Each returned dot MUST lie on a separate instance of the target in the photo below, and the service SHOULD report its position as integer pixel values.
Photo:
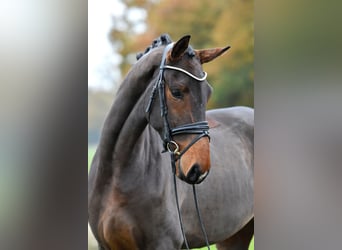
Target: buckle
(173, 147)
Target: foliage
(211, 24)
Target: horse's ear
(207, 55)
(180, 47)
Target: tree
(211, 24)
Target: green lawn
(251, 246)
(91, 152)
(212, 247)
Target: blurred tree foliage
(211, 24)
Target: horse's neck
(127, 97)
(130, 136)
(126, 119)
(137, 157)
(138, 161)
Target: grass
(251, 245)
(91, 152)
(212, 247)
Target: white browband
(186, 72)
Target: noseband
(201, 129)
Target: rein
(201, 129)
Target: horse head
(177, 104)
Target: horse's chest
(137, 226)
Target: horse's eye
(177, 93)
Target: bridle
(201, 129)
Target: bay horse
(161, 106)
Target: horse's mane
(162, 40)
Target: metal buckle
(173, 147)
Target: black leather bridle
(201, 129)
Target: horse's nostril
(193, 174)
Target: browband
(188, 73)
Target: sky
(102, 60)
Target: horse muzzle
(193, 176)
